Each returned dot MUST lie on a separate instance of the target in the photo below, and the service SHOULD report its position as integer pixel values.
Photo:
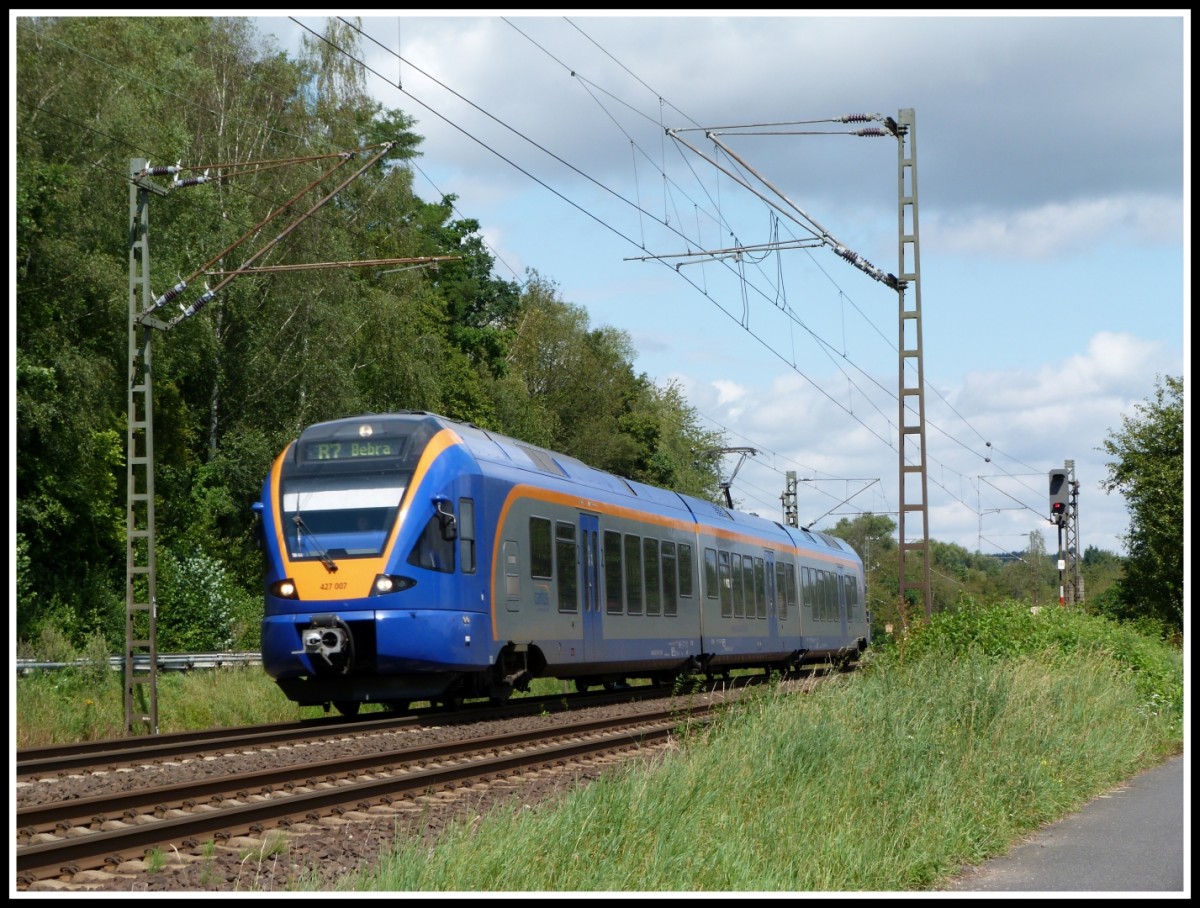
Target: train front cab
(374, 591)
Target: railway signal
(1060, 496)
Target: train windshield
(340, 516)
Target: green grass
(88, 704)
(951, 743)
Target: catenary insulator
(199, 304)
(163, 170)
(170, 294)
(190, 181)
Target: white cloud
(1059, 228)
(982, 496)
(729, 393)
(1114, 366)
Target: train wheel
(582, 685)
(499, 696)
(347, 707)
(398, 706)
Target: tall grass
(941, 752)
(88, 704)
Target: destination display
(350, 450)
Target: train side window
(685, 571)
(712, 582)
(633, 575)
(670, 582)
(613, 574)
(780, 587)
(828, 595)
(541, 561)
(432, 550)
(790, 578)
(807, 589)
(748, 584)
(851, 590)
(760, 587)
(466, 534)
(653, 586)
(566, 554)
(726, 584)
(738, 580)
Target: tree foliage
(272, 352)
(1148, 469)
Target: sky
(687, 179)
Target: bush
(198, 604)
(1010, 630)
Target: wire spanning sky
(686, 179)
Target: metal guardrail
(173, 662)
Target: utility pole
(1073, 553)
(141, 599)
(914, 487)
(1033, 584)
(913, 469)
(141, 594)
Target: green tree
(1101, 572)
(482, 309)
(1147, 468)
(580, 377)
(272, 352)
(231, 385)
(873, 536)
(669, 432)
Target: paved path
(1134, 838)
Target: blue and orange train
(413, 557)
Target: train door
(589, 584)
(841, 590)
(773, 623)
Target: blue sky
(1053, 208)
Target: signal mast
(141, 596)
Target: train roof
(495, 448)
(492, 448)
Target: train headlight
(390, 583)
(284, 589)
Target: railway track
(110, 754)
(193, 810)
(71, 843)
